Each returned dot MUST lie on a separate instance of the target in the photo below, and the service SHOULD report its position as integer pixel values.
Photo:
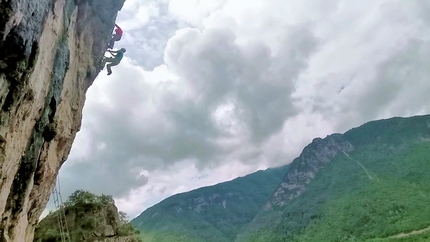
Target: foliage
(80, 197)
(394, 202)
(343, 203)
(380, 191)
(214, 213)
(169, 237)
(123, 218)
(86, 215)
(126, 228)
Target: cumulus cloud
(144, 125)
(147, 27)
(163, 183)
(375, 70)
(211, 91)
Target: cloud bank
(208, 92)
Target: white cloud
(163, 183)
(193, 11)
(216, 89)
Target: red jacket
(118, 30)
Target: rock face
(49, 50)
(304, 168)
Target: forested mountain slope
(369, 184)
(215, 213)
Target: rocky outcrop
(86, 222)
(49, 50)
(304, 168)
(107, 219)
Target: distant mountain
(370, 184)
(211, 214)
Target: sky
(215, 89)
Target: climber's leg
(113, 63)
(106, 59)
(114, 38)
(111, 43)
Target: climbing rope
(61, 215)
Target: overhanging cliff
(49, 50)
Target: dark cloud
(259, 82)
(267, 99)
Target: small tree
(123, 218)
(126, 228)
(107, 199)
(80, 197)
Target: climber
(113, 61)
(115, 37)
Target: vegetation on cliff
(88, 217)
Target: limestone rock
(303, 169)
(86, 222)
(49, 50)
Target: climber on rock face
(113, 61)
(115, 37)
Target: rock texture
(87, 223)
(304, 168)
(48, 53)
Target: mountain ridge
(218, 198)
(372, 159)
(380, 141)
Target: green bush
(80, 197)
(89, 223)
(84, 207)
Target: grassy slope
(343, 204)
(390, 204)
(175, 219)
